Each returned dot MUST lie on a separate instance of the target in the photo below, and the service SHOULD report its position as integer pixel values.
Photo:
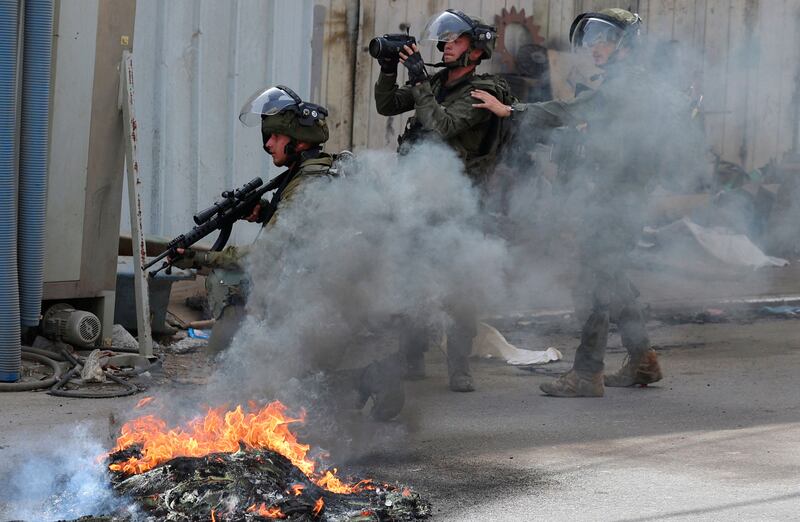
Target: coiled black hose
(59, 391)
(37, 356)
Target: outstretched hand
(490, 103)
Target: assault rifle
(234, 205)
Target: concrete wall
(86, 152)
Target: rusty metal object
(511, 17)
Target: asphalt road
(717, 439)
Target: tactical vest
(478, 162)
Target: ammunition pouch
(226, 288)
(567, 153)
(413, 133)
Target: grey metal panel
(196, 62)
(69, 158)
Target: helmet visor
(592, 31)
(264, 102)
(446, 27)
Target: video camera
(389, 45)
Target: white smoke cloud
(46, 481)
(397, 236)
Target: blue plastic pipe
(34, 140)
(10, 348)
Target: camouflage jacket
(447, 112)
(304, 173)
(638, 130)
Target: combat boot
(415, 366)
(460, 376)
(640, 369)
(461, 383)
(458, 371)
(459, 347)
(380, 382)
(573, 384)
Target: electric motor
(62, 322)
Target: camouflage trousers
(416, 335)
(227, 294)
(604, 294)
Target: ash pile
(253, 484)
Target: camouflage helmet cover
(622, 16)
(278, 110)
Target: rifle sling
(284, 179)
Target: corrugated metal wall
(195, 63)
(198, 60)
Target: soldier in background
(636, 129)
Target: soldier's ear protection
(479, 33)
(289, 149)
(308, 113)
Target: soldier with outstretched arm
(634, 129)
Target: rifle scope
(229, 200)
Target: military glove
(193, 259)
(416, 69)
(389, 64)
(265, 211)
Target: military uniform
(632, 123)
(445, 112)
(227, 285)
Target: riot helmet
(279, 110)
(613, 25)
(448, 25)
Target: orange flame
(268, 512)
(318, 505)
(144, 402)
(213, 517)
(222, 431)
(297, 489)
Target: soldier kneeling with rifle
(293, 132)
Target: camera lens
(375, 47)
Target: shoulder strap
(283, 179)
(499, 130)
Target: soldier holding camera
(442, 105)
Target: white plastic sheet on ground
(491, 343)
(721, 244)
